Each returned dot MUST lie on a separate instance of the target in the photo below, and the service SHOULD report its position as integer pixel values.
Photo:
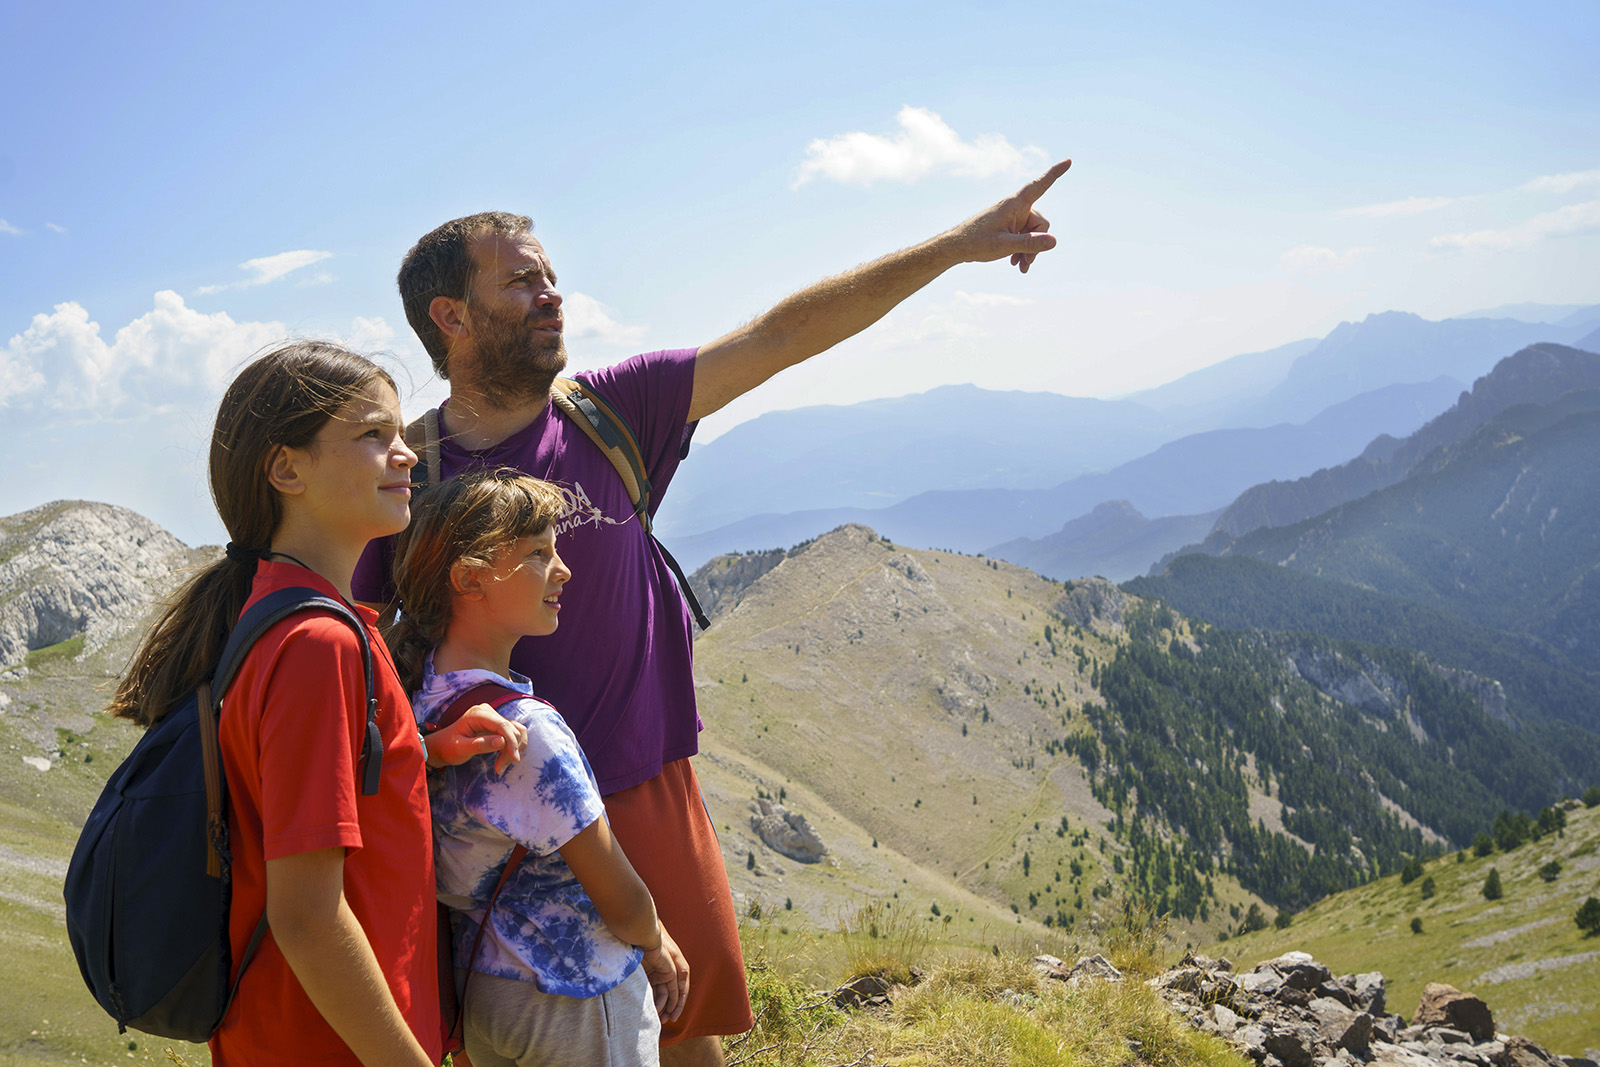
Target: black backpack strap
(600, 421)
(279, 605)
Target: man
(481, 294)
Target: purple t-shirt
(619, 666)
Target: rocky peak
(76, 567)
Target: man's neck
(474, 424)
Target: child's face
(355, 479)
(522, 591)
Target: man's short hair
(441, 264)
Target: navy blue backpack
(149, 884)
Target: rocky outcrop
(786, 832)
(1294, 1012)
(1092, 603)
(720, 582)
(74, 567)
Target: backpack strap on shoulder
(605, 426)
(491, 693)
(262, 616)
(422, 437)
(610, 433)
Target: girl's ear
(285, 470)
(466, 581)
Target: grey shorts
(512, 1024)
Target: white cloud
(1563, 222)
(53, 228)
(268, 269)
(924, 144)
(587, 317)
(6, 227)
(170, 358)
(1311, 259)
(369, 336)
(991, 299)
(1561, 183)
(1411, 205)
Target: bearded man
(481, 294)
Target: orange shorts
(663, 827)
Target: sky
(184, 184)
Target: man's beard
(515, 366)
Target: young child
(573, 966)
(307, 466)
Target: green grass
(51, 655)
(979, 1009)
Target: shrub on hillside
(1588, 917)
(1491, 885)
(1427, 887)
(1411, 871)
(1550, 871)
(1482, 845)
(1416, 926)
(1591, 796)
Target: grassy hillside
(1522, 953)
(47, 1014)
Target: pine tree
(1491, 885)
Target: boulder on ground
(1445, 1005)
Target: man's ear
(466, 581)
(450, 315)
(285, 471)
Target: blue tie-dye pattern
(545, 928)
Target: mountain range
(913, 467)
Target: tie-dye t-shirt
(544, 928)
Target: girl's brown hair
(283, 398)
(468, 519)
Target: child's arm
(328, 951)
(625, 904)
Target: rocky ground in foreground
(1293, 1012)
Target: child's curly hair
(468, 519)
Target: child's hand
(668, 972)
(480, 730)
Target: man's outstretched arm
(820, 316)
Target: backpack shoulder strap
(601, 423)
(491, 693)
(605, 426)
(422, 437)
(279, 605)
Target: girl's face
(355, 478)
(522, 591)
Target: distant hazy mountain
(1546, 313)
(1113, 541)
(879, 452)
(1537, 374)
(1589, 342)
(1395, 346)
(1225, 386)
(1501, 529)
(1189, 476)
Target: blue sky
(182, 184)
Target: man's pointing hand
(1012, 227)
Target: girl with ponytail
(307, 465)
